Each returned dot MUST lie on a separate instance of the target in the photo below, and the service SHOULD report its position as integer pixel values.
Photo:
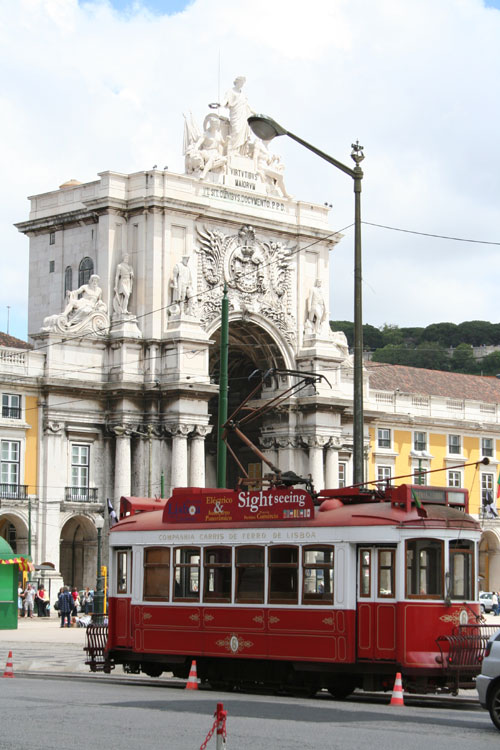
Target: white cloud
(90, 89)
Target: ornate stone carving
(85, 312)
(178, 429)
(258, 274)
(201, 431)
(54, 427)
(124, 280)
(315, 441)
(336, 443)
(227, 148)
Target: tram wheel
(341, 690)
(494, 706)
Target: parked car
(488, 682)
(486, 601)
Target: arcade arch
(78, 552)
(489, 559)
(14, 530)
(252, 346)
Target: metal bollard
(221, 715)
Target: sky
(94, 85)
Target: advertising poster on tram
(195, 505)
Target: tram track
(454, 702)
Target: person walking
(40, 601)
(29, 600)
(66, 604)
(87, 600)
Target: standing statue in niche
(124, 280)
(239, 111)
(315, 309)
(182, 286)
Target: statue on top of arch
(227, 152)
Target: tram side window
(122, 571)
(424, 568)
(283, 575)
(187, 573)
(386, 559)
(217, 576)
(249, 574)
(365, 572)
(461, 569)
(318, 574)
(156, 573)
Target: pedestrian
(87, 601)
(29, 600)
(74, 594)
(40, 601)
(66, 604)
(20, 600)
(494, 603)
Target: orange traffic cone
(192, 683)
(8, 667)
(397, 692)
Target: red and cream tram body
(268, 587)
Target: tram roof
(370, 514)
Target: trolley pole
(222, 417)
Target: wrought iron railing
(13, 491)
(81, 495)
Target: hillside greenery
(439, 346)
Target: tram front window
(250, 574)
(461, 569)
(187, 573)
(283, 575)
(424, 568)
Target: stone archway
(78, 552)
(489, 561)
(251, 347)
(14, 530)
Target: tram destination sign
(196, 505)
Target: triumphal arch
(126, 280)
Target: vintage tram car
(272, 588)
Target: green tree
(432, 356)
(444, 333)
(476, 332)
(395, 354)
(391, 335)
(462, 359)
(490, 365)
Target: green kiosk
(9, 574)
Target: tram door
(376, 602)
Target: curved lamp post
(99, 591)
(266, 129)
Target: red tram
(270, 587)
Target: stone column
(123, 473)
(316, 444)
(197, 456)
(286, 454)
(268, 445)
(179, 434)
(332, 463)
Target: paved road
(125, 717)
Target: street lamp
(266, 128)
(99, 591)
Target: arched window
(85, 270)
(68, 280)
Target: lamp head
(99, 521)
(265, 127)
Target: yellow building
(446, 423)
(19, 445)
